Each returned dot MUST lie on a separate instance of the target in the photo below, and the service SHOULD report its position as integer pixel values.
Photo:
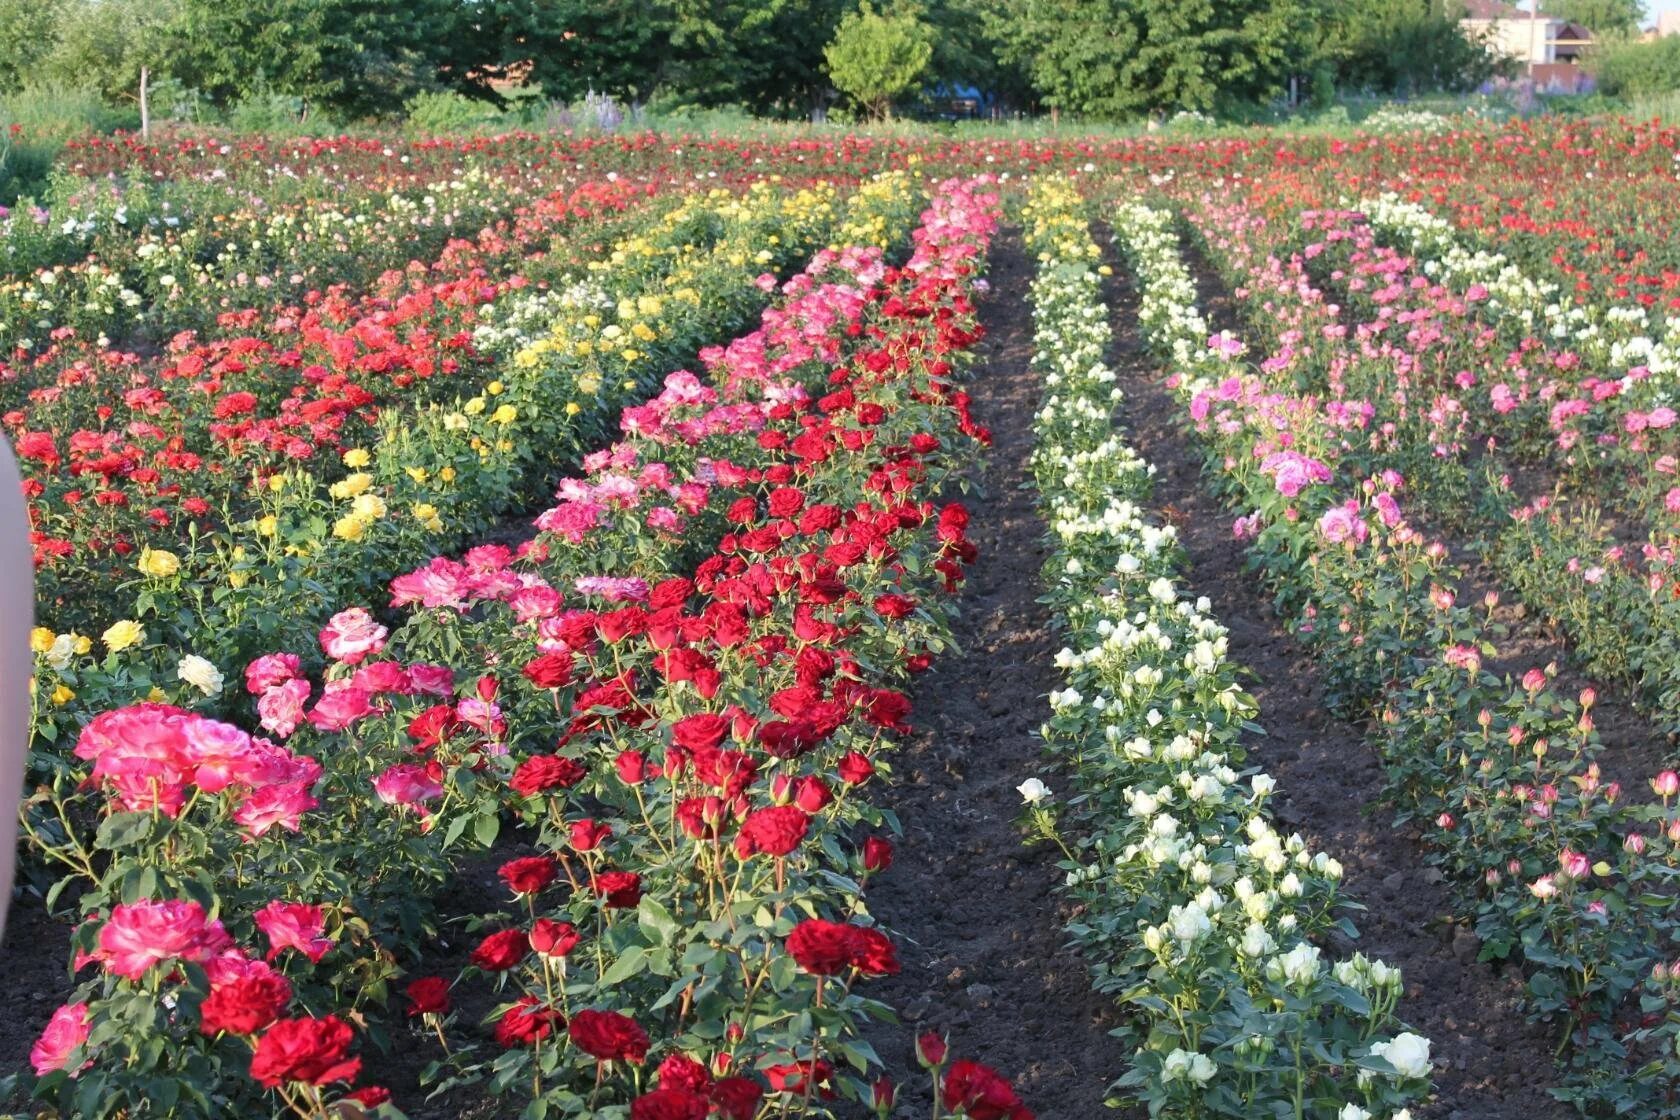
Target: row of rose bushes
(545, 386)
(1552, 866)
(1199, 916)
(1599, 549)
(684, 747)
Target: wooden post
(145, 108)
(17, 662)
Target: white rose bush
(1207, 924)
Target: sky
(1652, 7)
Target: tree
(1401, 46)
(28, 30)
(875, 56)
(1122, 58)
(102, 45)
(1601, 17)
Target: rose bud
(930, 1050)
(554, 939)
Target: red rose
(679, 1071)
(527, 1022)
(587, 835)
(786, 502)
(632, 767)
(308, 1049)
(608, 1036)
(877, 854)
(549, 670)
(429, 995)
(704, 731)
(855, 769)
(371, 1096)
(699, 817)
(894, 606)
(823, 948)
(501, 950)
(874, 954)
(736, 1098)
(529, 874)
(776, 831)
(552, 938)
(930, 1050)
(670, 593)
(670, 1104)
(811, 794)
(982, 1093)
(621, 889)
(791, 1078)
(245, 1004)
(543, 772)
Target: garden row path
(974, 911)
(1490, 1063)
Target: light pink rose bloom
(294, 925)
(351, 635)
(67, 1029)
(141, 934)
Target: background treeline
(1096, 59)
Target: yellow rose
(82, 643)
(494, 388)
(238, 579)
(268, 525)
(474, 406)
(505, 414)
(370, 507)
(447, 474)
(589, 383)
(41, 639)
(349, 528)
(351, 485)
(277, 482)
(158, 563)
(157, 695)
(418, 474)
(573, 408)
(62, 696)
(120, 635)
(357, 457)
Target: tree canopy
(1105, 59)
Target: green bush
(447, 111)
(1638, 69)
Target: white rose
(1033, 791)
(1352, 1112)
(1408, 1053)
(201, 674)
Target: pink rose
(351, 635)
(67, 1029)
(294, 925)
(141, 934)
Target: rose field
(663, 627)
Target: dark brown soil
(36, 956)
(1490, 1064)
(974, 910)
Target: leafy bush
(446, 111)
(1639, 69)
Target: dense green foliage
(1633, 69)
(876, 56)
(1100, 59)
(1601, 17)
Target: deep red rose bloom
(632, 767)
(737, 1098)
(371, 1096)
(501, 950)
(527, 1022)
(776, 831)
(429, 995)
(875, 954)
(811, 794)
(608, 1036)
(877, 854)
(894, 606)
(621, 889)
(552, 938)
(855, 769)
(786, 502)
(823, 948)
(791, 1078)
(705, 730)
(587, 835)
(529, 874)
(245, 1004)
(550, 670)
(930, 1049)
(312, 1050)
(981, 1092)
(670, 1104)
(679, 1071)
(542, 772)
